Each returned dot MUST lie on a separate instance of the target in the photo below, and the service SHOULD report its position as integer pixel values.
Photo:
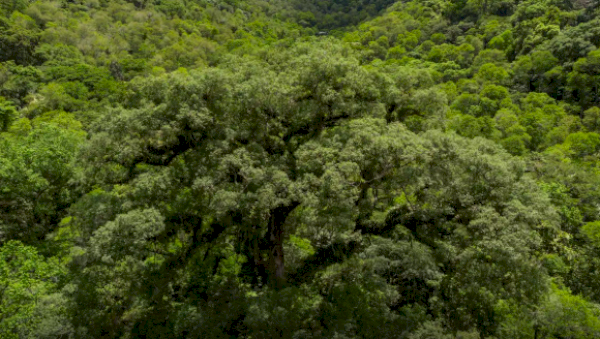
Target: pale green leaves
(25, 278)
(128, 235)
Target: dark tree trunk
(276, 238)
(536, 331)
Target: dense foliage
(300, 169)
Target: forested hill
(300, 169)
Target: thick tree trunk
(276, 238)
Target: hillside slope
(299, 169)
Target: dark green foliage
(299, 169)
(337, 13)
(19, 36)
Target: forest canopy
(300, 169)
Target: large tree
(204, 179)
